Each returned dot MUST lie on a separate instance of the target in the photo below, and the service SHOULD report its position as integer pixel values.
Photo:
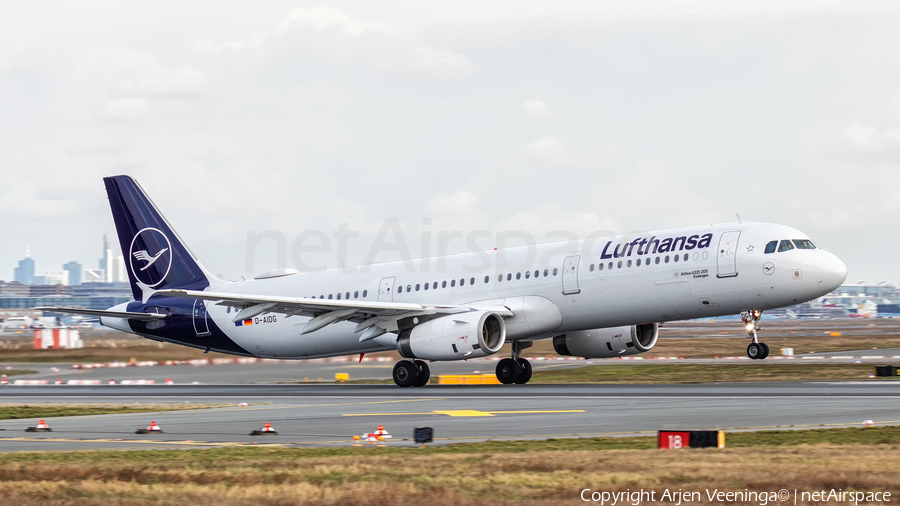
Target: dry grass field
(546, 472)
(11, 411)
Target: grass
(702, 373)
(53, 410)
(14, 372)
(540, 472)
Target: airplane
(595, 298)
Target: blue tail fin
(155, 257)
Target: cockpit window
(785, 245)
(804, 244)
(771, 246)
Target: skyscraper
(106, 261)
(24, 273)
(74, 269)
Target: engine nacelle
(610, 342)
(454, 337)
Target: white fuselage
(728, 274)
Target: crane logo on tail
(143, 255)
(150, 269)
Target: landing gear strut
(516, 369)
(756, 350)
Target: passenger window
(804, 244)
(365, 292)
(462, 281)
(620, 264)
(629, 263)
(452, 283)
(356, 293)
(518, 275)
(591, 268)
(785, 245)
(666, 260)
(656, 261)
(499, 278)
(610, 265)
(330, 296)
(528, 274)
(537, 274)
(472, 281)
(771, 246)
(408, 288)
(599, 267)
(339, 297)
(685, 257)
(638, 263)
(509, 277)
(418, 286)
(675, 258)
(546, 272)
(426, 286)
(486, 279)
(321, 296)
(555, 271)
(434, 285)
(400, 289)
(443, 284)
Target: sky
(263, 128)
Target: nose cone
(832, 271)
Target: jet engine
(454, 337)
(610, 342)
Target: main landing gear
(516, 369)
(408, 373)
(756, 350)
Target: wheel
(405, 373)
(754, 351)
(423, 375)
(508, 371)
(525, 375)
(765, 352)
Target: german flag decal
(244, 323)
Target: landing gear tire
(525, 374)
(765, 350)
(508, 371)
(424, 374)
(755, 351)
(405, 373)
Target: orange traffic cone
(372, 439)
(152, 429)
(112, 382)
(3, 380)
(40, 427)
(58, 382)
(169, 382)
(267, 430)
(868, 423)
(381, 432)
(356, 440)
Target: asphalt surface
(329, 415)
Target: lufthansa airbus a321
(599, 298)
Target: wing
(112, 314)
(383, 315)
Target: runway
(329, 415)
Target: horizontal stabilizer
(109, 314)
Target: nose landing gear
(756, 350)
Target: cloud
(536, 108)
(549, 149)
(324, 17)
(126, 108)
(864, 138)
(130, 73)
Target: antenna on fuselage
(738, 217)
